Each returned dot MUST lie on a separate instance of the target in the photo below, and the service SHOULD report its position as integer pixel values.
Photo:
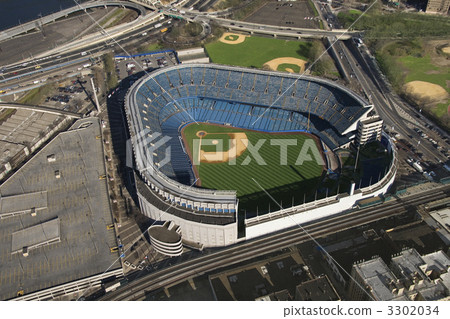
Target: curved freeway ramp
(7, 34)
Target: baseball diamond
(222, 165)
(208, 144)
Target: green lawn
(419, 70)
(286, 183)
(381, 25)
(313, 8)
(37, 95)
(255, 51)
(111, 76)
(354, 11)
(441, 109)
(150, 47)
(113, 18)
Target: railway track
(228, 256)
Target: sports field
(290, 181)
(419, 69)
(422, 69)
(255, 51)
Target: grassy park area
(255, 51)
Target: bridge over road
(36, 24)
(44, 109)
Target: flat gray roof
(377, 275)
(318, 289)
(22, 203)
(36, 236)
(79, 199)
(408, 263)
(23, 128)
(437, 260)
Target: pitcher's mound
(232, 38)
(273, 64)
(425, 91)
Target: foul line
(309, 67)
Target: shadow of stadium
(120, 132)
(288, 195)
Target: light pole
(357, 156)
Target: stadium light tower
(357, 156)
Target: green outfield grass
(286, 183)
(421, 69)
(255, 51)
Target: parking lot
(135, 250)
(70, 170)
(128, 66)
(296, 14)
(71, 94)
(20, 131)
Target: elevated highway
(242, 26)
(275, 31)
(36, 24)
(44, 109)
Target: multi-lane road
(393, 112)
(398, 116)
(96, 42)
(359, 65)
(146, 281)
(18, 75)
(390, 108)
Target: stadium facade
(161, 103)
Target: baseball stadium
(229, 153)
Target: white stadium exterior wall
(210, 233)
(207, 234)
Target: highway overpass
(44, 109)
(254, 28)
(25, 27)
